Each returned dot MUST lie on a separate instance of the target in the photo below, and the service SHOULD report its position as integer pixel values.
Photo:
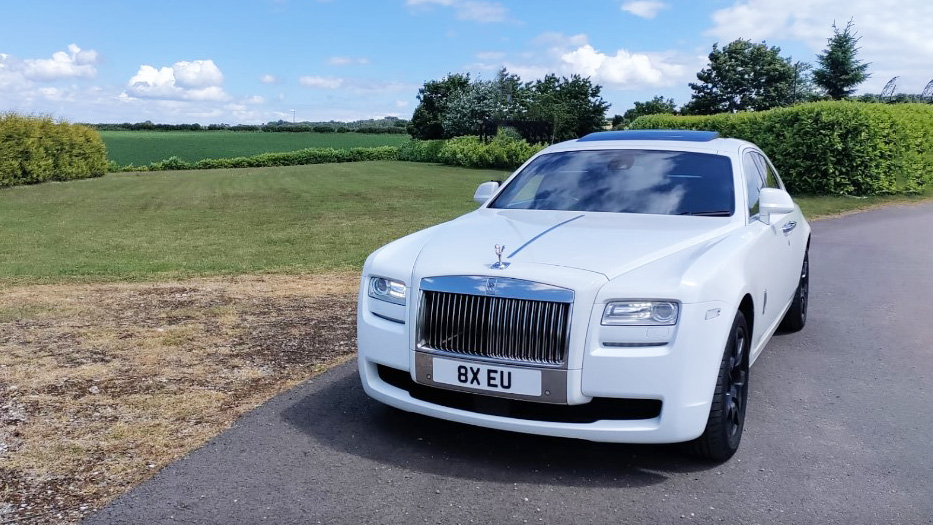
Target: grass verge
(103, 385)
(815, 207)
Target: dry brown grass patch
(103, 385)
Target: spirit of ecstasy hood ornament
(499, 265)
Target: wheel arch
(747, 307)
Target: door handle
(789, 227)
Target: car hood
(610, 244)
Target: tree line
(748, 76)
(383, 125)
(550, 109)
(740, 76)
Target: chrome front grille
(504, 328)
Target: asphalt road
(839, 430)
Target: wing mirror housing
(773, 201)
(485, 191)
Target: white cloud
(624, 69)
(197, 74)
(620, 69)
(51, 93)
(471, 10)
(268, 79)
(644, 8)
(321, 82)
(255, 100)
(197, 80)
(207, 93)
(897, 35)
(402, 103)
(11, 74)
(75, 63)
(346, 61)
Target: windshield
(624, 181)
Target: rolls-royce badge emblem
(491, 286)
(499, 265)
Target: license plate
(491, 378)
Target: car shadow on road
(341, 416)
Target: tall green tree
(573, 105)
(654, 106)
(502, 98)
(742, 76)
(427, 122)
(840, 70)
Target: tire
(796, 317)
(723, 432)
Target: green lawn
(817, 207)
(293, 219)
(177, 224)
(143, 147)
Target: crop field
(144, 147)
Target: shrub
(36, 149)
(505, 151)
(832, 148)
(421, 150)
(290, 158)
(171, 163)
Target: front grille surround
(508, 325)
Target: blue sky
(253, 61)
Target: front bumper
(678, 377)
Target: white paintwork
(708, 264)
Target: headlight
(641, 313)
(387, 290)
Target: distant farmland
(143, 147)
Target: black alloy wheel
(796, 317)
(723, 433)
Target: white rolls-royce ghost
(614, 288)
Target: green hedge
(290, 158)
(502, 152)
(36, 149)
(832, 148)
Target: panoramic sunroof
(652, 134)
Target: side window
(754, 182)
(529, 190)
(771, 178)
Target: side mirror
(773, 201)
(485, 191)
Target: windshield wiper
(718, 213)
